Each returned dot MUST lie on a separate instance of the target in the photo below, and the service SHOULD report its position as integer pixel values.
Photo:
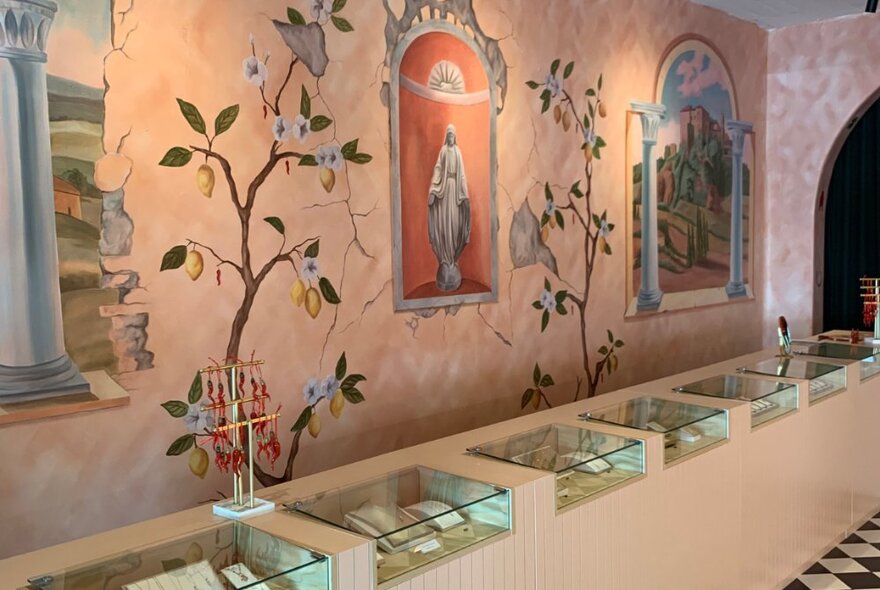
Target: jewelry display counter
(822, 379)
(868, 357)
(768, 400)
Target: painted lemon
(545, 233)
(198, 462)
(194, 553)
(566, 121)
(298, 292)
(337, 403)
(536, 400)
(315, 425)
(557, 113)
(602, 111)
(205, 180)
(194, 264)
(313, 302)
(601, 244)
(552, 222)
(328, 179)
(612, 362)
(588, 154)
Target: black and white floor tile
(854, 564)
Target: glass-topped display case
(585, 462)
(230, 556)
(768, 399)
(824, 379)
(686, 428)
(868, 357)
(417, 515)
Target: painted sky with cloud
(79, 40)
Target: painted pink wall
(819, 76)
(427, 377)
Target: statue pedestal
(448, 277)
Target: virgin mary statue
(449, 213)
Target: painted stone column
(33, 362)
(650, 295)
(737, 131)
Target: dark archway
(852, 223)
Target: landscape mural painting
(443, 122)
(694, 156)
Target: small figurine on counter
(855, 336)
(784, 338)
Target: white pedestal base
(229, 509)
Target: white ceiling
(774, 14)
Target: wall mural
(695, 155)
(311, 285)
(587, 216)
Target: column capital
(650, 114)
(24, 28)
(737, 131)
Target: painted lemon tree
(593, 224)
(311, 287)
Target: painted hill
(72, 101)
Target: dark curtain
(852, 223)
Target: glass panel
(417, 515)
(868, 356)
(769, 399)
(824, 379)
(230, 556)
(687, 428)
(585, 462)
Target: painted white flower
(321, 10)
(309, 268)
(282, 128)
(589, 137)
(196, 420)
(312, 391)
(301, 128)
(329, 386)
(255, 71)
(330, 156)
(548, 301)
(554, 84)
(604, 230)
(550, 207)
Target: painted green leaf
(599, 84)
(305, 103)
(608, 368)
(176, 157)
(327, 290)
(603, 350)
(338, 5)
(591, 109)
(610, 336)
(527, 396)
(560, 309)
(554, 66)
(596, 221)
(548, 194)
(561, 295)
(192, 115)
(537, 305)
(607, 249)
(569, 68)
(590, 92)
(546, 284)
(536, 375)
(349, 150)
(195, 389)
(225, 119)
(546, 104)
(547, 381)
(175, 408)
(545, 219)
(600, 143)
(532, 84)
(295, 17)
(308, 160)
(610, 227)
(174, 258)
(341, 367)
(181, 445)
(276, 223)
(596, 153)
(586, 123)
(576, 189)
(351, 381)
(313, 249)
(353, 395)
(170, 565)
(319, 123)
(618, 344)
(545, 319)
(342, 24)
(560, 220)
(361, 158)
(303, 420)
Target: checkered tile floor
(855, 563)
